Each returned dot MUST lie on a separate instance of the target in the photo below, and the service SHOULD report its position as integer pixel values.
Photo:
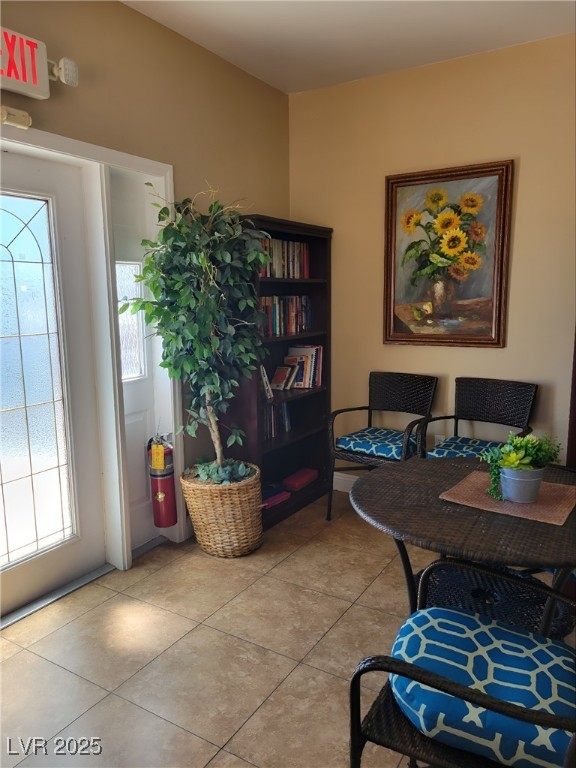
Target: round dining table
(403, 500)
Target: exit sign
(23, 65)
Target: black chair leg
(357, 740)
(330, 492)
(408, 574)
(355, 754)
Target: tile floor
(191, 660)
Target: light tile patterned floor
(190, 660)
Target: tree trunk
(214, 431)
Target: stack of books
(310, 355)
(274, 494)
(300, 479)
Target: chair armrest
(336, 413)
(473, 696)
(410, 427)
(525, 431)
(423, 430)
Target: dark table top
(402, 499)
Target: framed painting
(446, 255)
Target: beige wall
(148, 91)
(515, 103)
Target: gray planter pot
(522, 485)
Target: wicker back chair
(386, 725)
(494, 401)
(372, 446)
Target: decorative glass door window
(36, 500)
(131, 327)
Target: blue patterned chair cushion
(454, 447)
(372, 441)
(507, 663)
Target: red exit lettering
(21, 53)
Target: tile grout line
(298, 663)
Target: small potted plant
(517, 467)
(201, 273)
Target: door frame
(95, 162)
(571, 448)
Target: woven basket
(227, 519)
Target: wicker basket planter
(227, 519)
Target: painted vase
(442, 292)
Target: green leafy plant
(524, 453)
(201, 273)
(230, 472)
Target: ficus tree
(201, 274)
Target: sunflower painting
(447, 235)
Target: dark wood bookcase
(305, 444)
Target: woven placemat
(555, 502)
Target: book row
(276, 421)
(286, 314)
(302, 369)
(287, 259)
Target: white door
(52, 527)
(146, 387)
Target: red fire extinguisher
(161, 469)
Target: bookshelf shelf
(291, 280)
(297, 417)
(295, 394)
(297, 500)
(288, 438)
(293, 338)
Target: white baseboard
(343, 481)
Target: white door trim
(108, 372)
(41, 143)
